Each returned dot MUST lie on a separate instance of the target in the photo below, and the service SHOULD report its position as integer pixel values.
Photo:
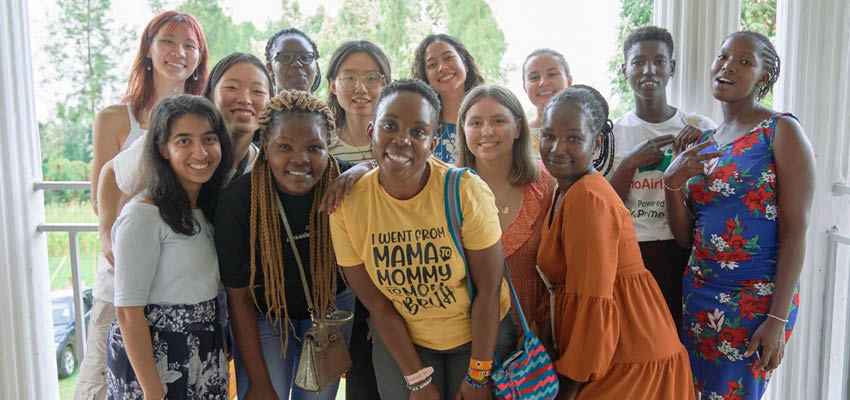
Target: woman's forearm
(246, 332)
(137, 344)
(679, 218)
(789, 265)
(485, 325)
(393, 333)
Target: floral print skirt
(719, 320)
(188, 349)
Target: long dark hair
(159, 178)
(473, 76)
(340, 55)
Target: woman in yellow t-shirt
(390, 235)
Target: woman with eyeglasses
(291, 59)
(357, 72)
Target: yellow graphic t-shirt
(408, 252)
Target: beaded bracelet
(663, 183)
(420, 385)
(784, 321)
(477, 385)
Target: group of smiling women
(673, 272)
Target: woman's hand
(770, 335)
(689, 164)
(429, 392)
(649, 152)
(342, 185)
(687, 136)
(467, 392)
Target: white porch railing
(835, 381)
(72, 229)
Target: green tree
(85, 53)
(473, 23)
(222, 34)
(634, 14)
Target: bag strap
(291, 240)
(454, 215)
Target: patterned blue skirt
(188, 350)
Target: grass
(67, 386)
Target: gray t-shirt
(155, 265)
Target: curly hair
(417, 69)
(264, 226)
(593, 106)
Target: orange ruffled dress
(612, 325)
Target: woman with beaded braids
(741, 199)
(291, 58)
(613, 333)
(266, 300)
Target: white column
(27, 356)
(698, 28)
(813, 42)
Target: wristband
(420, 385)
(664, 183)
(478, 374)
(784, 321)
(419, 376)
(480, 365)
(477, 385)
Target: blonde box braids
(265, 229)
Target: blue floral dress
(728, 286)
(446, 150)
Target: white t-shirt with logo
(645, 200)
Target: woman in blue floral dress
(740, 199)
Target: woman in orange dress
(615, 338)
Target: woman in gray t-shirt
(166, 342)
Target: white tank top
(104, 285)
(136, 130)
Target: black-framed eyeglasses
(304, 57)
(372, 80)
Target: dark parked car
(64, 330)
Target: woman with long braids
(172, 59)
(740, 199)
(266, 301)
(444, 63)
(614, 336)
(167, 341)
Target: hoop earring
(148, 64)
(195, 75)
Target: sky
(585, 31)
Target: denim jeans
(282, 369)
